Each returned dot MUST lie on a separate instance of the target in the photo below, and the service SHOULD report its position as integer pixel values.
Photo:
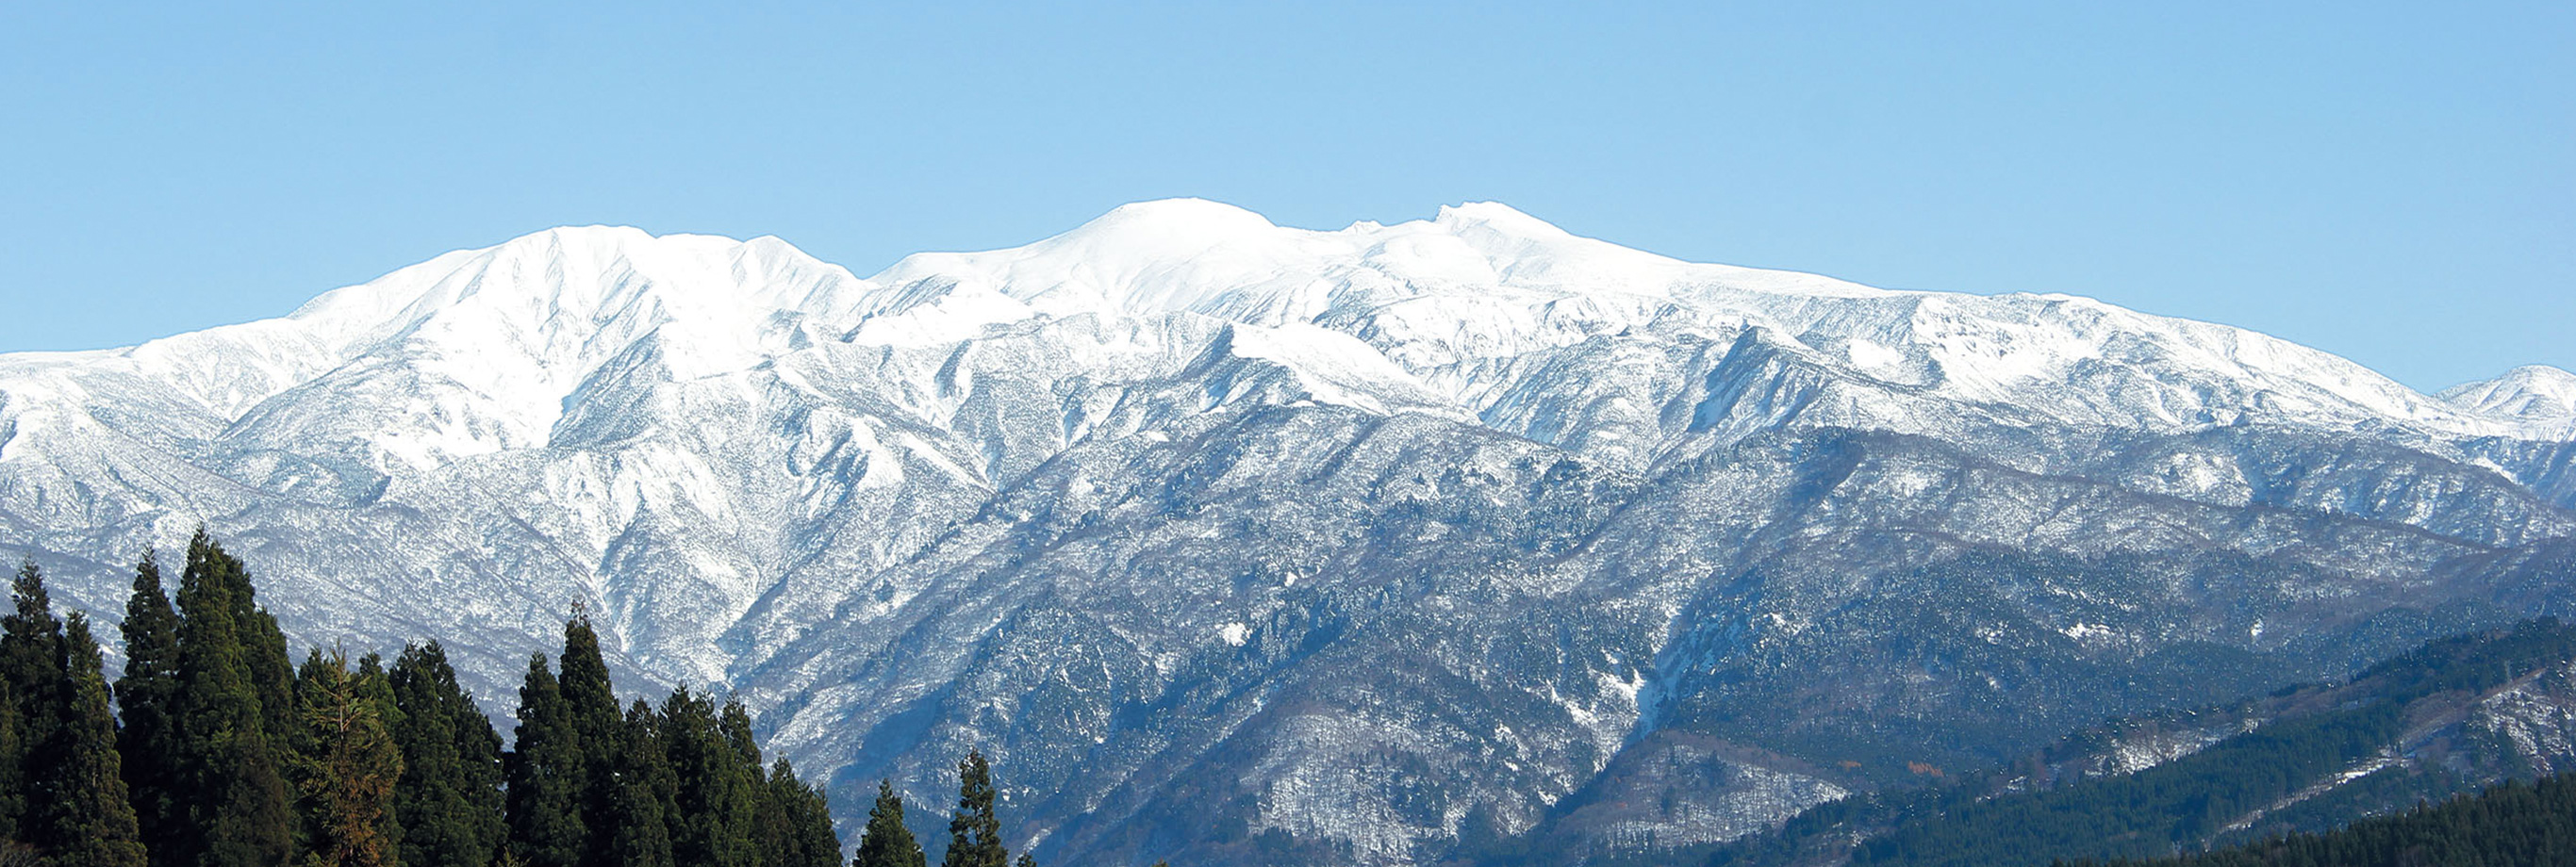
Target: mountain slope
(1367, 541)
(2451, 717)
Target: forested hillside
(2511, 825)
(2429, 724)
(213, 750)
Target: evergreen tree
(89, 821)
(716, 797)
(590, 708)
(744, 808)
(33, 686)
(228, 756)
(795, 824)
(377, 691)
(547, 777)
(236, 806)
(13, 770)
(639, 807)
(886, 842)
(31, 645)
(449, 799)
(145, 697)
(264, 657)
(65, 795)
(974, 833)
(588, 696)
(346, 767)
(2510, 824)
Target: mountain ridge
(1176, 482)
(2540, 393)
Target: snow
(1868, 355)
(1429, 310)
(725, 445)
(2537, 394)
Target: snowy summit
(1182, 457)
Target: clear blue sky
(2392, 182)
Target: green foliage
(681, 784)
(745, 806)
(717, 793)
(66, 798)
(547, 776)
(234, 799)
(449, 798)
(2508, 825)
(31, 645)
(886, 842)
(146, 699)
(395, 766)
(13, 767)
(32, 688)
(227, 756)
(974, 833)
(263, 646)
(376, 690)
(639, 785)
(89, 821)
(590, 700)
(2474, 662)
(346, 764)
(795, 823)
(590, 708)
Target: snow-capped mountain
(2543, 398)
(1378, 543)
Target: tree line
(2002, 816)
(2510, 824)
(213, 751)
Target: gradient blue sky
(2392, 182)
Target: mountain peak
(1176, 225)
(2533, 392)
(595, 234)
(1186, 209)
(1172, 445)
(1497, 216)
(560, 269)
(601, 244)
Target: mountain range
(1235, 543)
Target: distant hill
(2512, 824)
(2452, 717)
